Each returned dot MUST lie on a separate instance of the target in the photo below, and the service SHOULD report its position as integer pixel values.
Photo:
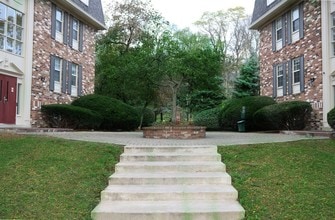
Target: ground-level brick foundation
(174, 132)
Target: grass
(293, 180)
(49, 178)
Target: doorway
(7, 99)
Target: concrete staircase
(169, 182)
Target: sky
(184, 13)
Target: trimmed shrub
(208, 118)
(292, 115)
(116, 114)
(68, 116)
(231, 111)
(331, 118)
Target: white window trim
(75, 43)
(296, 85)
(58, 84)
(295, 34)
(280, 89)
(59, 34)
(74, 88)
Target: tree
(229, 34)
(247, 84)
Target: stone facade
(310, 46)
(44, 46)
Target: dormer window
(86, 2)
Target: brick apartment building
(46, 55)
(297, 52)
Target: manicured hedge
(331, 118)
(292, 115)
(68, 116)
(116, 114)
(231, 111)
(208, 118)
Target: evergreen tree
(247, 84)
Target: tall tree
(247, 84)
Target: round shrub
(116, 114)
(231, 111)
(292, 115)
(331, 118)
(208, 118)
(68, 116)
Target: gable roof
(91, 14)
(264, 13)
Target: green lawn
(49, 178)
(293, 180)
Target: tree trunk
(174, 104)
(142, 115)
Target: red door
(7, 99)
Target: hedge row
(261, 113)
(96, 112)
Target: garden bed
(174, 132)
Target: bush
(230, 112)
(331, 118)
(68, 116)
(292, 115)
(148, 116)
(208, 118)
(116, 115)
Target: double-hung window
(295, 24)
(279, 34)
(333, 33)
(59, 25)
(279, 80)
(11, 30)
(75, 33)
(296, 75)
(74, 79)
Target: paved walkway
(212, 138)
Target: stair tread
(168, 163)
(170, 175)
(170, 188)
(184, 206)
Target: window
(279, 30)
(66, 29)
(74, 79)
(11, 30)
(269, 2)
(65, 77)
(296, 75)
(296, 23)
(333, 33)
(280, 76)
(279, 80)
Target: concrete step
(170, 178)
(192, 166)
(168, 192)
(167, 210)
(167, 149)
(170, 157)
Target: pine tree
(247, 84)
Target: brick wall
(310, 46)
(43, 47)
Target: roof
(264, 13)
(92, 14)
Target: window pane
(59, 15)
(279, 34)
(19, 33)
(57, 64)
(295, 25)
(1, 42)
(10, 14)
(57, 76)
(10, 30)
(296, 77)
(278, 24)
(74, 75)
(295, 14)
(2, 12)
(333, 20)
(280, 81)
(19, 18)
(18, 48)
(9, 45)
(58, 26)
(2, 27)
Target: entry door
(7, 99)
